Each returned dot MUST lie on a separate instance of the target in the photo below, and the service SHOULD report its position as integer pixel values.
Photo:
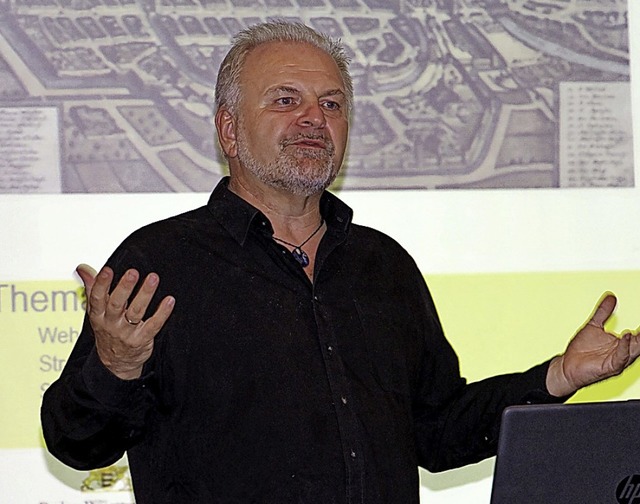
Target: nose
(312, 115)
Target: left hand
(593, 354)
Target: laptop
(584, 453)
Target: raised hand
(593, 354)
(124, 341)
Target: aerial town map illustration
(116, 95)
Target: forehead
(300, 63)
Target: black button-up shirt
(265, 387)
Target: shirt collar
(237, 216)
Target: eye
(286, 100)
(331, 105)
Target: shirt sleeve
(458, 423)
(89, 416)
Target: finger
(621, 355)
(99, 295)
(153, 324)
(634, 345)
(88, 276)
(138, 306)
(121, 293)
(603, 311)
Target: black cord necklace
(297, 252)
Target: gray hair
(228, 90)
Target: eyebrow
(293, 90)
(283, 89)
(333, 92)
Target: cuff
(538, 392)
(107, 388)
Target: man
(288, 356)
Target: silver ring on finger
(132, 322)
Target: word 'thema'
(14, 299)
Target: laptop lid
(585, 453)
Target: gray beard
(300, 171)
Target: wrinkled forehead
(271, 62)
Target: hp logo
(628, 491)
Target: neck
(292, 216)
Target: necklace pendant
(300, 256)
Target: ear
(226, 128)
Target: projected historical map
(116, 95)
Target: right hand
(124, 341)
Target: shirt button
(344, 400)
(353, 454)
(330, 349)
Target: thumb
(603, 311)
(88, 276)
